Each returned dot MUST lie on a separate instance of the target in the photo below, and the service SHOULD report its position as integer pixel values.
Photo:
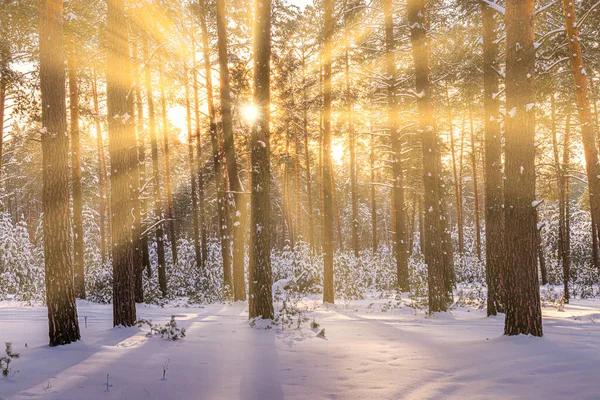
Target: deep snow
(367, 354)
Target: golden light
(177, 116)
(337, 152)
(249, 113)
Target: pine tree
(400, 236)
(216, 146)
(327, 181)
(494, 212)
(78, 245)
(123, 164)
(158, 210)
(60, 294)
(523, 309)
(261, 299)
(438, 251)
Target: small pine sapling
(169, 330)
(314, 324)
(6, 360)
(165, 368)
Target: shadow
(262, 375)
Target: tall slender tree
(327, 181)
(523, 309)
(217, 153)
(167, 153)
(60, 295)
(77, 189)
(582, 95)
(476, 212)
(400, 237)
(158, 210)
(348, 12)
(261, 300)
(438, 251)
(192, 169)
(235, 183)
(199, 159)
(102, 173)
(494, 212)
(122, 143)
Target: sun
(249, 112)
(177, 116)
(337, 152)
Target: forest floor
(373, 349)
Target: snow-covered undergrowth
(375, 348)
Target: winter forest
(299, 199)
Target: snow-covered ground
(370, 352)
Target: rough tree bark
(457, 186)
(102, 176)
(438, 253)
(309, 193)
(78, 269)
(351, 136)
(235, 185)
(523, 310)
(327, 182)
(141, 257)
(494, 193)
(588, 136)
(158, 210)
(566, 192)
(400, 237)
(167, 153)
(122, 164)
(217, 152)
(374, 242)
(199, 159)
(261, 300)
(60, 295)
(475, 189)
(188, 108)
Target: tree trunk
(287, 208)
(167, 153)
(158, 210)
(475, 189)
(584, 108)
(566, 250)
(217, 152)
(351, 140)
(199, 160)
(494, 193)
(102, 181)
(60, 295)
(4, 60)
(540, 251)
(78, 269)
(327, 182)
(374, 241)
(311, 221)
(523, 310)
(297, 197)
(235, 184)
(141, 258)
(400, 238)
(438, 254)
(261, 300)
(457, 187)
(194, 193)
(122, 145)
